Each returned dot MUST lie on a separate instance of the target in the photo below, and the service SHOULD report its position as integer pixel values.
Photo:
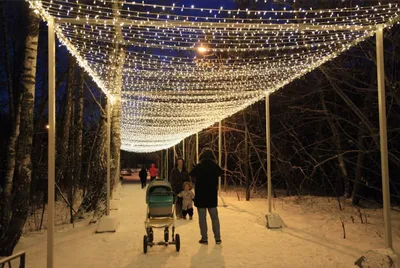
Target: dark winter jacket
(143, 174)
(206, 174)
(177, 178)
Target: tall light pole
(268, 142)
(383, 137)
(108, 154)
(174, 159)
(197, 147)
(219, 151)
(52, 142)
(166, 166)
(183, 149)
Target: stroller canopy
(158, 187)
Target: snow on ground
(314, 237)
(61, 219)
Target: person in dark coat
(206, 175)
(178, 176)
(143, 176)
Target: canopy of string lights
(183, 68)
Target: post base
(383, 258)
(113, 205)
(107, 224)
(274, 221)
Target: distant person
(178, 176)
(153, 172)
(143, 176)
(206, 175)
(187, 200)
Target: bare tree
(95, 194)
(79, 129)
(23, 164)
(66, 125)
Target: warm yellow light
(47, 126)
(202, 49)
(166, 97)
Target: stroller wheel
(166, 235)
(177, 242)
(145, 244)
(150, 235)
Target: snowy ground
(314, 237)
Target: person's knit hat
(207, 154)
(187, 183)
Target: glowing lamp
(202, 49)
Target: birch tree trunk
(79, 129)
(116, 79)
(23, 163)
(64, 143)
(70, 164)
(115, 140)
(96, 174)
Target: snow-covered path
(246, 242)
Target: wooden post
(174, 155)
(162, 163)
(52, 142)
(166, 166)
(225, 164)
(247, 162)
(183, 149)
(108, 154)
(383, 137)
(268, 142)
(197, 147)
(219, 151)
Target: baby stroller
(160, 201)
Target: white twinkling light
(187, 67)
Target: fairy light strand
(187, 67)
